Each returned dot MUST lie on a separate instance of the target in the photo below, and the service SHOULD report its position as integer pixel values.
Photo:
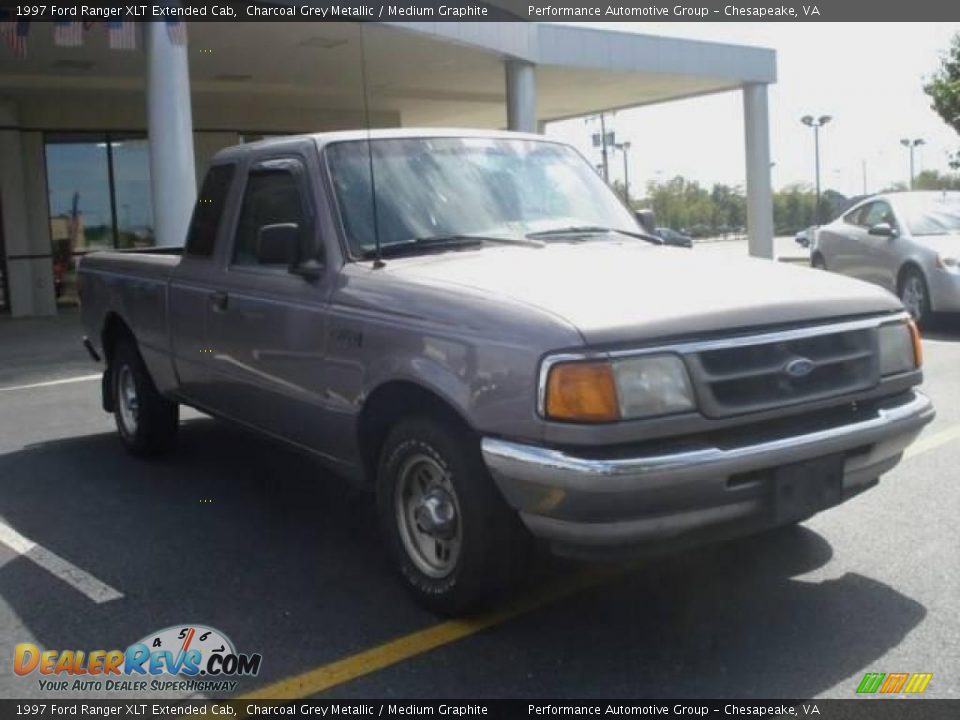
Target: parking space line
(416, 643)
(66, 571)
(49, 383)
(408, 646)
(933, 441)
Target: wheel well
(817, 254)
(390, 403)
(114, 330)
(903, 271)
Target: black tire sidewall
(485, 519)
(156, 417)
(925, 311)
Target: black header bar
(485, 11)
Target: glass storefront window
(99, 196)
(131, 180)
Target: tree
(944, 89)
(934, 180)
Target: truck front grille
(756, 376)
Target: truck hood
(614, 291)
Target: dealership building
(103, 137)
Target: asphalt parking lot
(98, 549)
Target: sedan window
(876, 213)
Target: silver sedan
(906, 242)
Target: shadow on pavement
(251, 538)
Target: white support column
(170, 132)
(26, 229)
(756, 125)
(521, 96)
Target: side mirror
(646, 220)
(882, 230)
(278, 244)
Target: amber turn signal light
(582, 392)
(917, 344)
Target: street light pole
(910, 145)
(624, 147)
(603, 145)
(816, 124)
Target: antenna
(378, 257)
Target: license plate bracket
(804, 489)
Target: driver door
(879, 252)
(268, 324)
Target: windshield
(440, 187)
(932, 214)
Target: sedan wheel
(914, 296)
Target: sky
(869, 77)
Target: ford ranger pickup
(473, 325)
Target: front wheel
(914, 296)
(452, 537)
(147, 421)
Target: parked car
(672, 237)
(500, 353)
(908, 243)
(807, 237)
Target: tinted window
(272, 196)
(209, 211)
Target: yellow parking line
(933, 441)
(422, 641)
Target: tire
(817, 262)
(915, 296)
(454, 541)
(146, 421)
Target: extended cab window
(208, 211)
(272, 196)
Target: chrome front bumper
(587, 504)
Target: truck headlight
(900, 348)
(619, 389)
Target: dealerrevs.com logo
(187, 658)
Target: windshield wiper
(594, 230)
(445, 242)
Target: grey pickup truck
(474, 326)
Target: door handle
(218, 301)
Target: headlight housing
(899, 348)
(617, 389)
(948, 263)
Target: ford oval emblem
(799, 367)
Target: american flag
(14, 33)
(177, 32)
(121, 35)
(67, 33)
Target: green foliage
(933, 180)
(684, 205)
(944, 90)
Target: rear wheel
(147, 421)
(915, 296)
(452, 537)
